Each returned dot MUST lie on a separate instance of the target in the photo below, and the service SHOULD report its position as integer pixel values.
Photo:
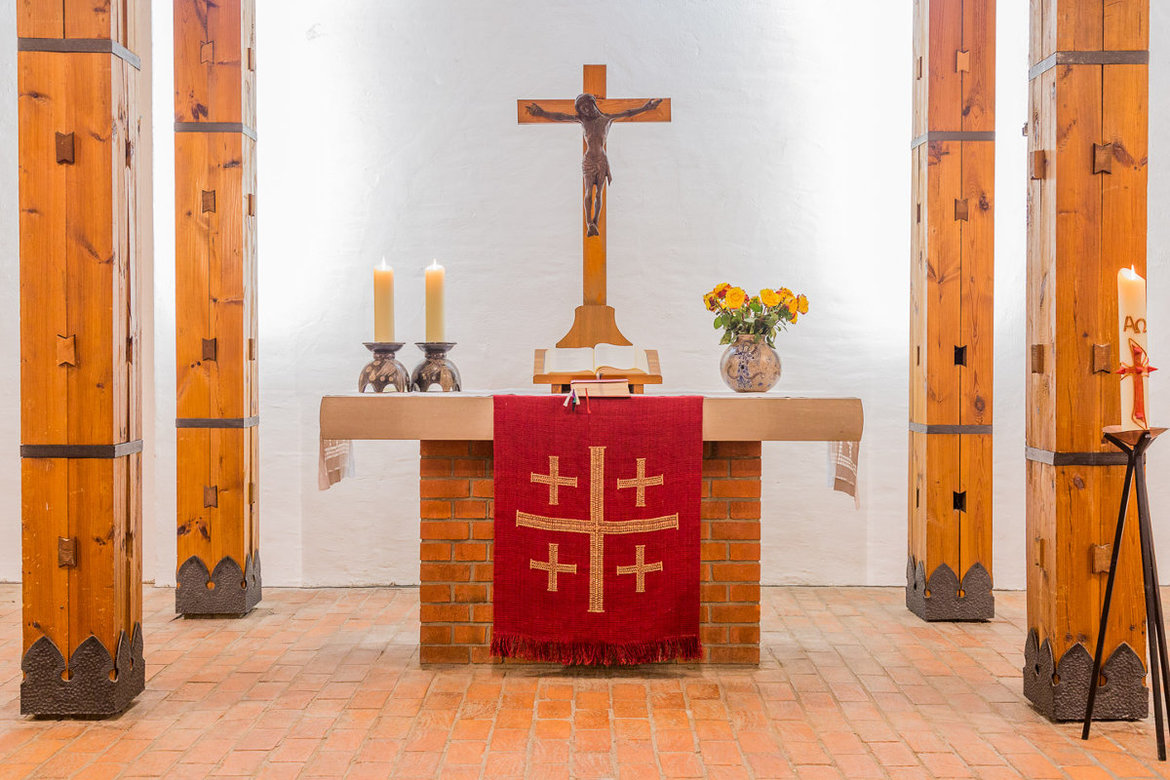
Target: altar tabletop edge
(468, 416)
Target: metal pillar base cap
(225, 592)
(944, 602)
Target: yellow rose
(793, 317)
(802, 305)
(710, 301)
(734, 299)
(769, 298)
(722, 286)
(785, 294)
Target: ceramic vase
(750, 366)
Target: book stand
(1134, 444)
(560, 382)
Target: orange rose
(802, 305)
(769, 298)
(734, 298)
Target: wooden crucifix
(594, 321)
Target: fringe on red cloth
(687, 648)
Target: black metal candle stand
(1134, 444)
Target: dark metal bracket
(225, 591)
(943, 598)
(94, 683)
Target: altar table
(456, 491)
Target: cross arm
(609, 105)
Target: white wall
(389, 129)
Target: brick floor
(326, 683)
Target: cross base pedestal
(593, 324)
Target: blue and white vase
(750, 366)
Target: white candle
(383, 302)
(436, 277)
(1131, 322)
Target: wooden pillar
(79, 346)
(1087, 141)
(948, 569)
(215, 304)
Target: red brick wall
(455, 572)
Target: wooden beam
(81, 427)
(1087, 207)
(952, 312)
(215, 297)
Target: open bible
(561, 366)
(599, 361)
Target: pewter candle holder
(384, 370)
(436, 368)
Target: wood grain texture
(593, 324)
(98, 502)
(942, 465)
(976, 522)
(213, 78)
(215, 275)
(952, 284)
(79, 287)
(215, 269)
(117, 20)
(1083, 226)
(1040, 422)
(944, 98)
(978, 83)
(977, 284)
(78, 234)
(1075, 510)
(223, 459)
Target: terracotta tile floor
(325, 683)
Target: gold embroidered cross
(641, 482)
(554, 567)
(596, 526)
(554, 480)
(640, 568)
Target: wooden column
(215, 304)
(1087, 141)
(948, 569)
(80, 391)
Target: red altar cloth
(597, 529)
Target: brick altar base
(455, 595)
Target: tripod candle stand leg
(1135, 474)
(1154, 625)
(1095, 679)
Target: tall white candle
(383, 302)
(436, 278)
(1135, 362)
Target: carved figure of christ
(595, 165)
(594, 321)
(597, 527)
